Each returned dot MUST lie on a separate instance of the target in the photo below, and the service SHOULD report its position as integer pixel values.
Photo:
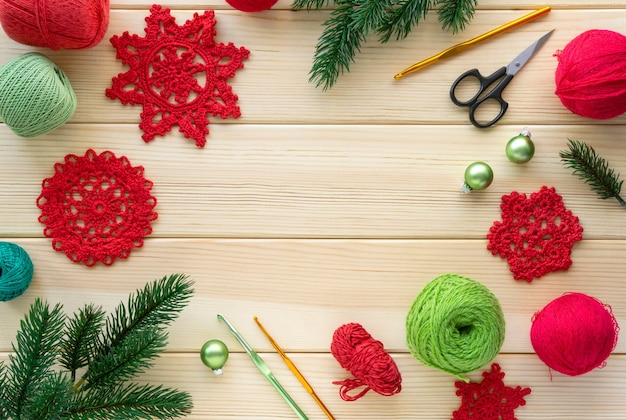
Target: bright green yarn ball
(456, 325)
(35, 95)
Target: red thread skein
(252, 5)
(591, 74)
(574, 334)
(55, 24)
(367, 360)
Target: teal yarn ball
(16, 271)
(36, 96)
(456, 325)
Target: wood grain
(315, 209)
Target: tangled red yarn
(367, 360)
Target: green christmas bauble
(478, 176)
(214, 355)
(520, 149)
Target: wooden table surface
(319, 208)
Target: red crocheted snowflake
(96, 207)
(178, 74)
(536, 234)
(490, 399)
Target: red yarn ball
(252, 5)
(55, 24)
(574, 334)
(591, 74)
(367, 360)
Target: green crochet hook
(263, 368)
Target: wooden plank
(279, 66)
(319, 181)
(428, 394)
(304, 289)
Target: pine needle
(593, 170)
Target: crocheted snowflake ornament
(536, 234)
(489, 399)
(178, 74)
(96, 207)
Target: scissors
(503, 74)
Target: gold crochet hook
(454, 50)
(292, 367)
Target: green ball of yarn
(35, 95)
(455, 324)
(16, 271)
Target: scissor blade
(519, 61)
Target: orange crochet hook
(454, 50)
(292, 367)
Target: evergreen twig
(336, 48)
(78, 344)
(113, 352)
(403, 17)
(455, 14)
(309, 4)
(30, 367)
(593, 170)
(351, 21)
(131, 401)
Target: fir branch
(455, 14)
(125, 360)
(336, 47)
(402, 19)
(30, 364)
(31, 388)
(82, 333)
(52, 400)
(592, 169)
(309, 4)
(3, 395)
(132, 401)
(130, 340)
(367, 15)
(158, 302)
(351, 21)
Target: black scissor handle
(494, 94)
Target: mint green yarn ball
(456, 325)
(36, 96)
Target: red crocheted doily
(536, 234)
(178, 74)
(490, 399)
(96, 207)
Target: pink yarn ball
(574, 334)
(55, 24)
(591, 74)
(252, 5)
